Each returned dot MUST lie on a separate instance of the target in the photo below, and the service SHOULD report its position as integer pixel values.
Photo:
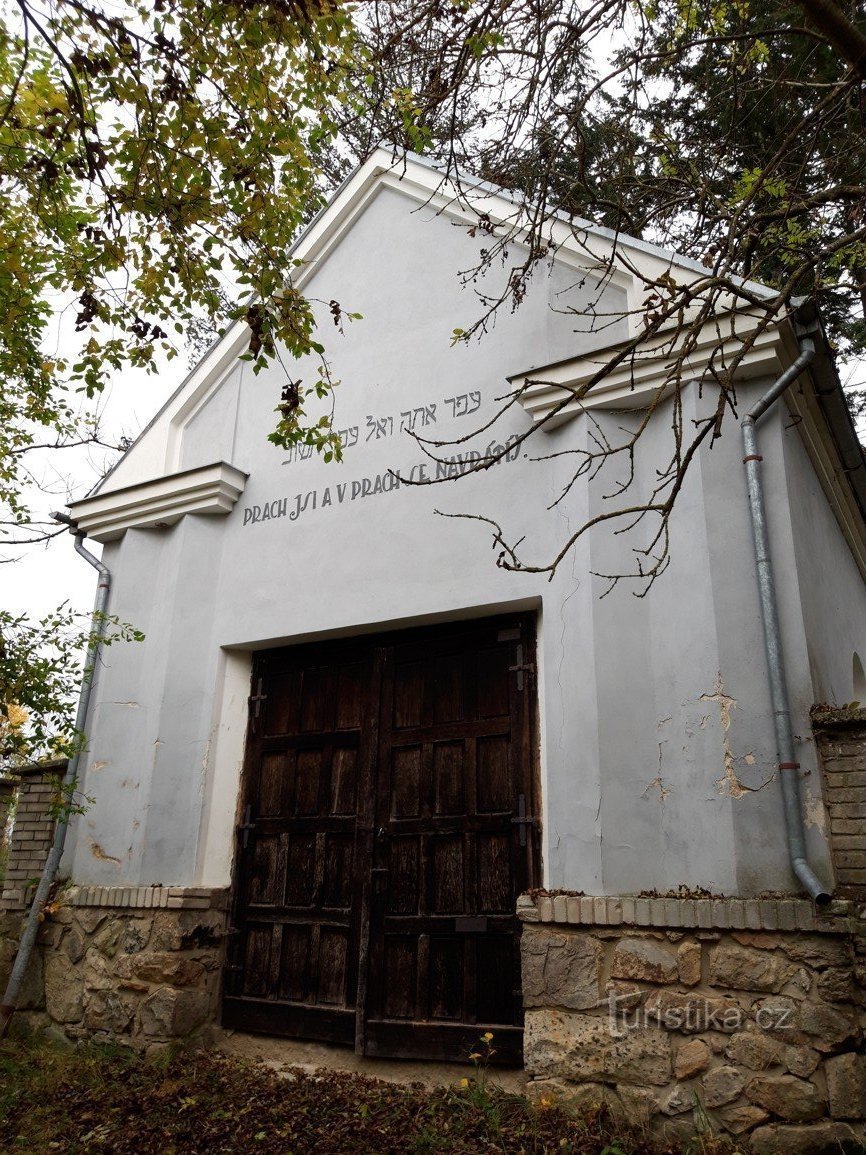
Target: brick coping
(785, 914)
(774, 914)
(147, 897)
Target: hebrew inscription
(382, 425)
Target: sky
(39, 578)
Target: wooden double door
(387, 829)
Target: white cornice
(645, 375)
(812, 427)
(210, 489)
(646, 378)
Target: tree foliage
(39, 680)
(158, 159)
(731, 131)
(151, 154)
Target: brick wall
(7, 794)
(31, 835)
(841, 740)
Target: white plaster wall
(832, 597)
(633, 747)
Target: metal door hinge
(256, 699)
(523, 819)
(245, 827)
(521, 667)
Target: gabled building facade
(356, 768)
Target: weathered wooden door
(387, 832)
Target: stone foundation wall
(743, 1016)
(138, 966)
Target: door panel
(447, 860)
(380, 858)
(293, 966)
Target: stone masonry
(841, 738)
(32, 832)
(692, 1014)
(138, 966)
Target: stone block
(173, 969)
(109, 1010)
(98, 974)
(692, 1057)
(638, 1103)
(817, 1139)
(587, 1048)
(643, 960)
(836, 985)
(817, 951)
(74, 945)
(577, 1097)
(800, 1061)
(742, 1118)
(64, 989)
(689, 963)
(754, 1050)
(846, 1086)
(679, 1100)
(172, 1013)
(135, 934)
(829, 1028)
(90, 920)
(692, 1013)
(186, 929)
(746, 969)
(721, 1086)
(560, 969)
(795, 1100)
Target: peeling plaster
(129, 705)
(99, 764)
(814, 812)
(97, 852)
(727, 784)
(657, 784)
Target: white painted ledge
(749, 914)
(210, 489)
(646, 375)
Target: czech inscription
(348, 491)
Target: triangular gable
(130, 496)
(578, 244)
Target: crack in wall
(729, 784)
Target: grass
(106, 1100)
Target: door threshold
(280, 1053)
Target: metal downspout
(52, 863)
(786, 754)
